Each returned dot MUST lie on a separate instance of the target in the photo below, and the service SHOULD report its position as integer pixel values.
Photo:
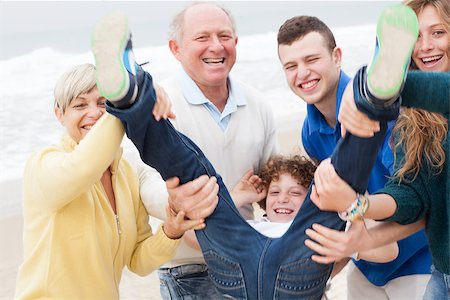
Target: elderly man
(227, 119)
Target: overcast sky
(26, 25)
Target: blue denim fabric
(187, 282)
(438, 287)
(243, 263)
(344, 157)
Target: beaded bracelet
(356, 210)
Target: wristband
(356, 210)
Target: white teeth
(283, 211)
(431, 58)
(213, 60)
(87, 127)
(308, 84)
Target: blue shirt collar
(316, 120)
(194, 95)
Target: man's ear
(174, 48)
(337, 56)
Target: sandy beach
(132, 286)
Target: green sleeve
(427, 90)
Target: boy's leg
(381, 82)
(376, 90)
(233, 259)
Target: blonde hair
(74, 82)
(176, 26)
(421, 133)
(442, 7)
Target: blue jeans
(353, 157)
(438, 287)
(188, 282)
(243, 263)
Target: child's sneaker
(116, 69)
(397, 32)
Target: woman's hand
(176, 224)
(352, 120)
(248, 190)
(329, 191)
(163, 106)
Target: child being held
(280, 191)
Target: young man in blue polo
(312, 65)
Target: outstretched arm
(330, 187)
(427, 90)
(333, 245)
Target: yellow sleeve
(60, 176)
(151, 251)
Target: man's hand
(352, 120)
(197, 198)
(333, 245)
(329, 191)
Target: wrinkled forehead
(206, 18)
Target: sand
(132, 286)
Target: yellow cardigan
(75, 247)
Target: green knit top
(428, 195)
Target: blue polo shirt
(319, 141)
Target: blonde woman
(83, 217)
(419, 189)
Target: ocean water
(27, 121)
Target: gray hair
(176, 26)
(73, 83)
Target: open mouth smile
(214, 60)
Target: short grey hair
(73, 83)
(176, 26)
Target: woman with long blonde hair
(419, 190)
(421, 132)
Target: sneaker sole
(108, 43)
(397, 31)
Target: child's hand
(248, 190)
(176, 225)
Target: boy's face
(312, 70)
(284, 199)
